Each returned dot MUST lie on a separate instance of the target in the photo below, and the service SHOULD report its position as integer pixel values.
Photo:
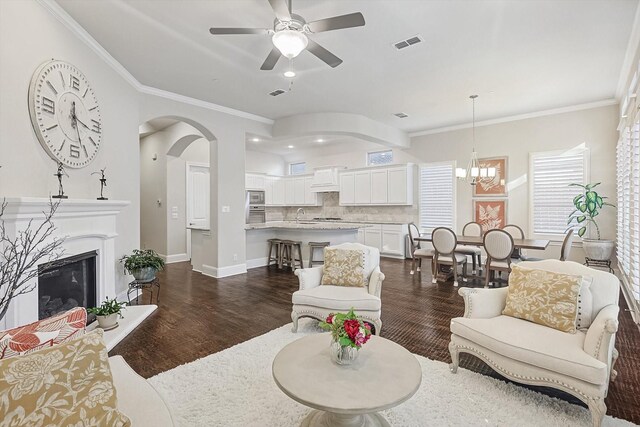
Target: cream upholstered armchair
(580, 364)
(318, 301)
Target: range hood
(326, 179)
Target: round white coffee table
(384, 375)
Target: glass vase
(342, 355)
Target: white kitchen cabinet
(361, 238)
(400, 185)
(362, 187)
(393, 239)
(268, 190)
(310, 197)
(298, 191)
(373, 236)
(289, 192)
(254, 181)
(278, 192)
(347, 188)
(326, 179)
(379, 187)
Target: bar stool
(274, 244)
(288, 254)
(312, 247)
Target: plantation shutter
(628, 204)
(552, 196)
(437, 196)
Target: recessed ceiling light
(255, 139)
(290, 73)
(290, 146)
(319, 140)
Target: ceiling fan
(290, 33)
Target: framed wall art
(490, 214)
(496, 186)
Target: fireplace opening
(68, 283)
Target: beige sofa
(580, 364)
(137, 399)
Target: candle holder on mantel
(60, 173)
(103, 183)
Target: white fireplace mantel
(85, 225)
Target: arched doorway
(174, 188)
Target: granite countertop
(307, 225)
(351, 221)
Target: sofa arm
(309, 277)
(375, 282)
(483, 303)
(601, 334)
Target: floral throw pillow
(344, 267)
(69, 384)
(43, 333)
(544, 297)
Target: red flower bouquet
(348, 329)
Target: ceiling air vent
(408, 42)
(276, 92)
(401, 115)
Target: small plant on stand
(108, 313)
(143, 264)
(348, 334)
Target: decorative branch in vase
(22, 253)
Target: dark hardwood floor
(199, 315)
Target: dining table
(539, 244)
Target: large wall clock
(65, 113)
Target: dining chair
(417, 252)
(565, 250)
(499, 246)
(444, 242)
(516, 232)
(471, 229)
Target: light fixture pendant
(290, 42)
(474, 174)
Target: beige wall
(259, 162)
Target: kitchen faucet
(298, 214)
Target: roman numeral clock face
(65, 114)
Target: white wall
(29, 36)
(271, 164)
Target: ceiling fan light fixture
(290, 42)
(289, 74)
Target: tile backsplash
(331, 208)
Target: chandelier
(474, 174)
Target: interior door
(198, 196)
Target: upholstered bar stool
(312, 248)
(289, 257)
(274, 244)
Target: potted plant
(587, 206)
(108, 313)
(348, 334)
(143, 264)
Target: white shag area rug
(234, 388)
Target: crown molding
(61, 15)
(571, 108)
(628, 63)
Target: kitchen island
(303, 231)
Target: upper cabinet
(326, 179)
(284, 191)
(390, 185)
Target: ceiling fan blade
(322, 53)
(222, 31)
(337, 22)
(281, 9)
(271, 60)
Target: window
(377, 158)
(550, 194)
(297, 168)
(437, 196)
(628, 204)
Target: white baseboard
(219, 272)
(257, 262)
(170, 259)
